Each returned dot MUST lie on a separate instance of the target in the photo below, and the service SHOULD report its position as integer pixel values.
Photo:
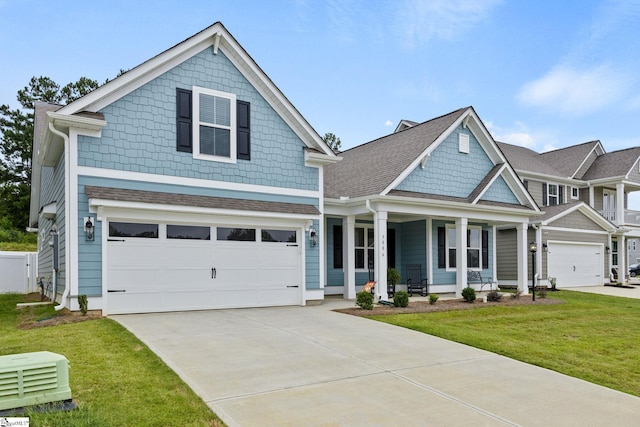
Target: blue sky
(543, 74)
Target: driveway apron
(310, 366)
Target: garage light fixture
(545, 248)
(608, 249)
(89, 228)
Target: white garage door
(159, 267)
(575, 264)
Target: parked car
(634, 270)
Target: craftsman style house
(583, 192)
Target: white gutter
(65, 294)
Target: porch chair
(415, 280)
(475, 277)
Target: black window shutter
(391, 248)
(485, 249)
(560, 194)
(337, 246)
(244, 125)
(183, 123)
(544, 194)
(442, 249)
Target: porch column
(348, 256)
(523, 256)
(380, 250)
(620, 216)
(461, 255)
(622, 259)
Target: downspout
(65, 294)
(375, 231)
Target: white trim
(72, 232)
(197, 154)
(193, 182)
(573, 230)
(576, 197)
(447, 246)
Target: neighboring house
(583, 193)
(419, 196)
(189, 182)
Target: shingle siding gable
(140, 135)
(449, 172)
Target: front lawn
(115, 379)
(592, 337)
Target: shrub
(401, 299)
(393, 277)
(433, 298)
(82, 301)
(541, 291)
(364, 299)
(469, 294)
(516, 294)
(494, 295)
(552, 280)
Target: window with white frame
(474, 247)
(364, 243)
(552, 195)
(575, 193)
(214, 125)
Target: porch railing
(630, 217)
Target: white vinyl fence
(18, 272)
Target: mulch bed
(29, 320)
(446, 305)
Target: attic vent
(463, 143)
(32, 379)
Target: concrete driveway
(295, 366)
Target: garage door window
(288, 236)
(236, 234)
(133, 229)
(189, 232)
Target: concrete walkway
(631, 291)
(294, 366)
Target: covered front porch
(365, 237)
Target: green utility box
(33, 379)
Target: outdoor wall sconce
(89, 228)
(313, 239)
(608, 249)
(545, 248)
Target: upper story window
(552, 194)
(214, 136)
(575, 193)
(212, 125)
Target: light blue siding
(500, 192)
(140, 135)
(449, 172)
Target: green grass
(592, 337)
(115, 379)
(18, 247)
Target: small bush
(541, 291)
(494, 296)
(433, 298)
(364, 299)
(469, 294)
(393, 277)
(82, 301)
(516, 294)
(401, 299)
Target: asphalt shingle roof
(370, 168)
(616, 163)
(568, 160)
(155, 197)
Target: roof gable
(615, 164)
(568, 161)
(561, 215)
(215, 37)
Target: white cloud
(444, 19)
(573, 91)
(388, 123)
(519, 134)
